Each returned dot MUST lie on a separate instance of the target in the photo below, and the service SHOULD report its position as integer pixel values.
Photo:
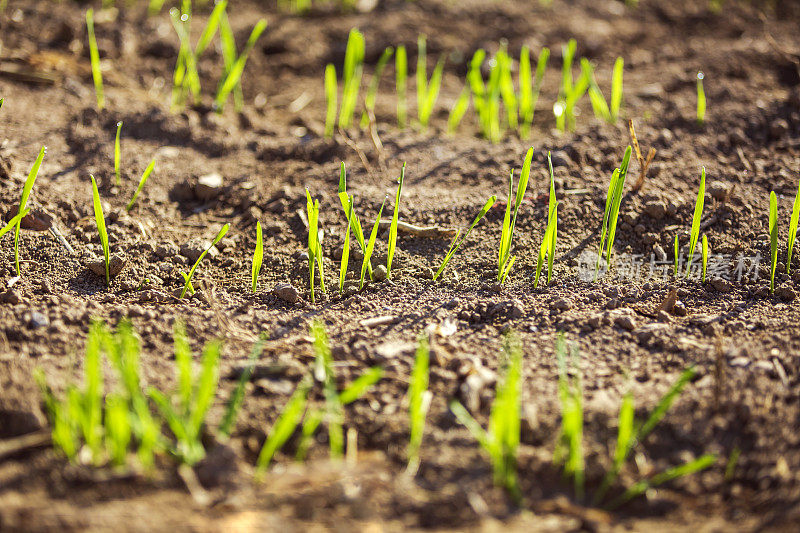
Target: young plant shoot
(314, 245)
(188, 277)
(234, 74)
(611, 213)
(26, 192)
(705, 257)
(401, 83)
(569, 449)
(456, 244)
(346, 247)
(94, 57)
(427, 91)
(331, 97)
(458, 111)
(529, 88)
(501, 439)
(372, 90)
(284, 427)
(548, 247)
(258, 256)
(351, 75)
(701, 100)
(793, 230)
(365, 263)
(773, 238)
(419, 401)
(393, 226)
(346, 202)
(101, 227)
(142, 181)
(698, 213)
(117, 172)
(505, 259)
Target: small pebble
(286, 292)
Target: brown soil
(742, 340)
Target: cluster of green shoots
(694, 235)
(122, 425)
(569, 449)
(186, 78)
(773, 235)
(505, 260)
(611, 213)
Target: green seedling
(505, 258)
(283, 428)
(142, 181)
(395, 220)
(571, 91)
(351, 76)
(611, 213)
(773, 238)
(701, 100)
(548, 247)
(401, 82)
(185, 410)
(601, 108)
(677, 255)
(314, 245)
(94, 57)
(186, 79)
(733, 460)
(487, 96)
(335, 401)
(346, 247)
(372, 90)
(370, 246)
(26, 192)
(456, 243)
(117, 155)
(427, 90)
(228, 47)
(419, 401)
(188, 277)
(13, 222)
(630, 434)
(234, 74)
(100, 220)
(331, 96)
(569, 448)
(501, 439)
(258, 256)
(705, 257)
(1, 102)
(346, 200)
(698, 213)
(237, 397)
(793, 229)
(507, 92)
(529, 88)
(458, 111)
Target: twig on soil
(643, 163)
(743, 159)
(19, 444)
(432, 232)
(378, 321)
(60, 237)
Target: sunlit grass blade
(100, 220)
(676, 256)
(216, 240)
(569, 449)
(393, 226)
(615, 207)
(346, 200)
(258, 255)
(234, 77)
(507, 89)
(331, 99)
(312, 212)
(346, 247)
(372, 89)
(685, 469)
(228, 47)
(371, 245)
(698, 213)
(94, 57)
(117, 429)
(793, 230)
(616, 89)
(142, 181)
(599, 104)
(705, 257)
(26, 192)
(456, 244)
(360, 385)
(458, 111)
(117, 171)
(351, 76)
(401, 82)
(237, 397)
(283, 428)
(427, 91)
(510, 221)
(548, 247)
(529, 98)
(419, 400)
(13, 222)
(773, 238)
(701, 100)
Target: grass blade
(401, 77)
(353, 68)
(331, 90)
(258, 255)
(100, 220)
(419, 399)
(698, 213)
(26, 192)
(701, 99)
(142, 181)
(685, 469)
(393, 226)
(117, 154)
(216, 240)
(705, 257)
(616, 89)
(346, 247)
(773, 238)
(456, 244)
(371, 245)
(237, 398)
(94, 57)
(793, 229)
(372, 90)
(458, 111)
(361, 385)
(283, 428)
(235, 75)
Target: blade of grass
(216, 240)
(773, 238)
(456, 244)
(117, 154)
(258, 255)
(419, 400)
(100, 220)
(26, 192)
(283, 428)
(685, 469)
(353, 69)
(371, 245)
(94, 57)
(142, 181)
(705, 257)
(701, 99)
(616, 89)
(393, 226)
(372, 89)
(793, 229)
(237, 397)
(331, 90)
(458, 111)
(698, 213)
(346, 248)
(401, 77)
(234, 77)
